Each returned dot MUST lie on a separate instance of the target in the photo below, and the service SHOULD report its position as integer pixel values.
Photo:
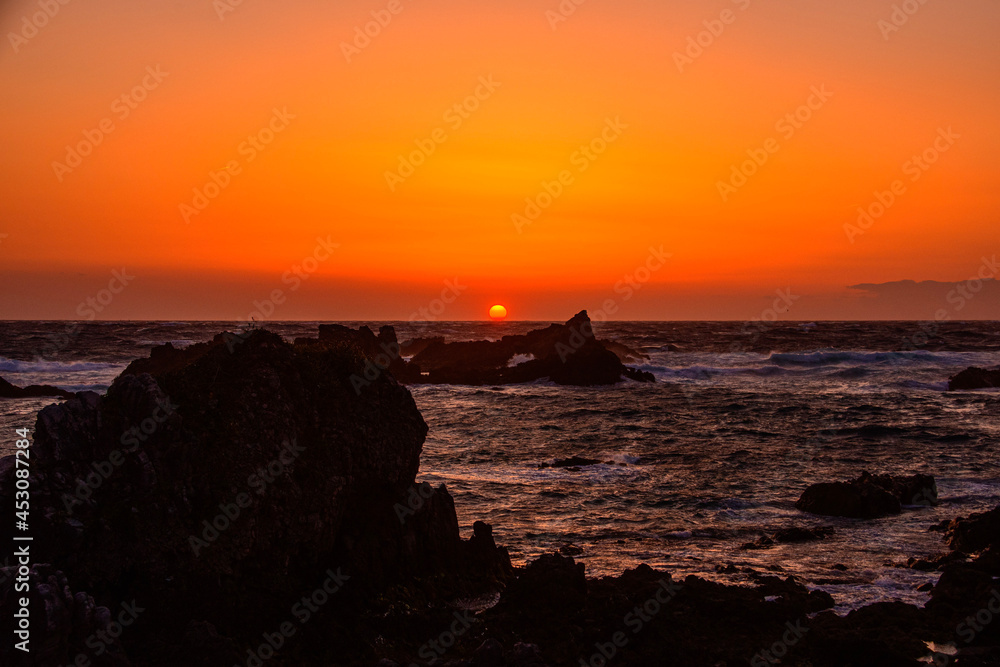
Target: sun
(498, 313)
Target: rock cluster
(251, 503)
(565, 353)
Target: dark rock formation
(646, 617)
(383, 349)
(848, 500)
(216, 482)
(136, 496)
(868, 496)
(975, 378)
(7, 390)
(566, 353)
(976, 532)
(910, 491)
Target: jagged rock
(975, 378)
(565, 353)
(911, 490)
(961, 583)
(975, 532)
(7, 390)
(550, 579)
(868, 496)
(215, 481)
(933, 563)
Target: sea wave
(42, 366)
(831, 357)
(700, 372)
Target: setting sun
(498, 313)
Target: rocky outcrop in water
(975, 378)
(566, 353)
(869, 496)
(211, 484)
(7, 390)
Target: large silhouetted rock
(567, 354)
(214, 482)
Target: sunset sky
(301, 130)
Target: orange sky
(341, 126)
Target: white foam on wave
(518, 359)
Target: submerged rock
(797, 534)
(573, 462)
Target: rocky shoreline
(249, 501)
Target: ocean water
(742, 418)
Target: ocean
(742, 418)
